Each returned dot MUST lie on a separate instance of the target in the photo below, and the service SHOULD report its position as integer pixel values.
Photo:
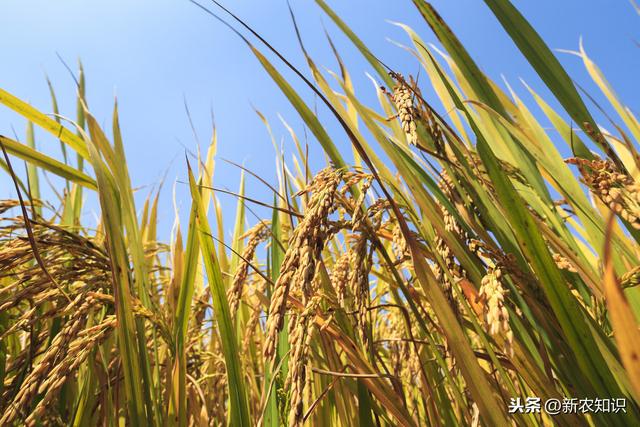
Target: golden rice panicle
(399, 243)
(403, 100)
(77, 353)
(300, 341)
(356, 219)
(305, 246)
(340, 276)
(631, 278)
(399, 329)
(256, 235)
(563, 263)
(351, 178)
(447, 185)
(454, 269)
(219, 383)
(452, 226)
(496, 316)
(276, 310)
(617, 190)
(360, 261)
(33, 382)
(254, 319)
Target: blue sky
(155, 54)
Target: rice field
(449, 270)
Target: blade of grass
(32, 171)
(47, 163)
(239, 410)
(548, 68)
(126, 328)
(44, 122)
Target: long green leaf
(239, 409)
(301, 107)
(120, 271)
(47, 163)
(546, 65)
(32, 170)
(44, 122)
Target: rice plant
(451, 268)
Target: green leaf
(546, 65)
(239, 409)
(32, 171)
(128, 339)
(183, 311)
(375, 63)
(271, 414)
(47, 163)
(301, 107)
(44, 122)
(468, 68)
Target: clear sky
(154, 54)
